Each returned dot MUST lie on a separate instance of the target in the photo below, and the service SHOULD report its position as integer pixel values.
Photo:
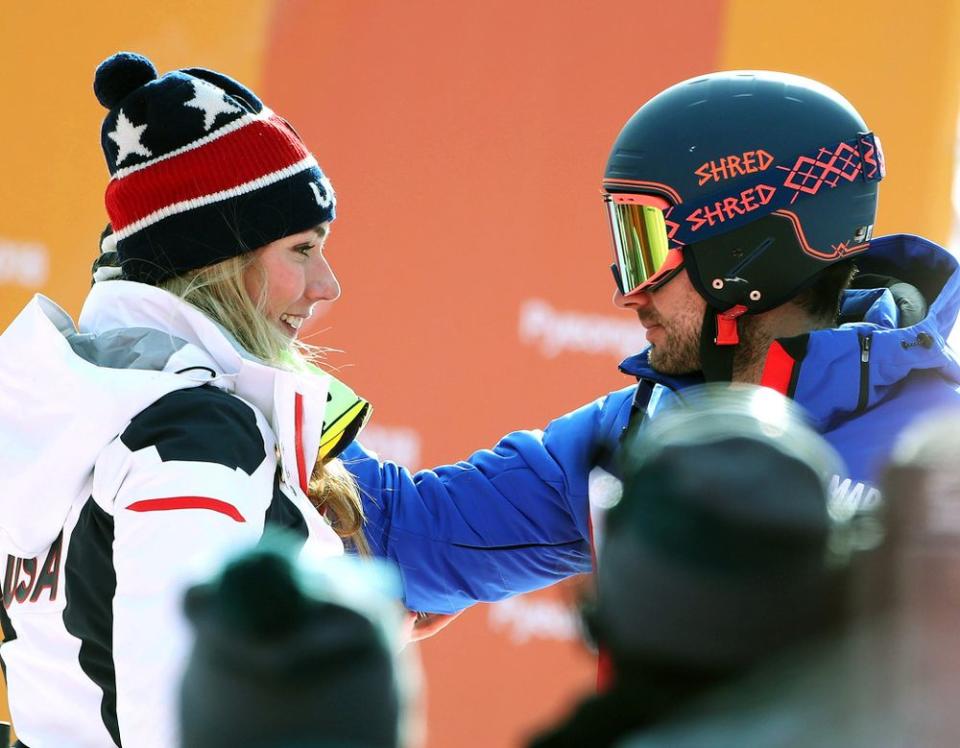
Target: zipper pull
(865, 342)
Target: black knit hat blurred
(725, 551)
(291, 653)
(719, 550)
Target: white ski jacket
(134, 454)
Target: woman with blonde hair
(179, 419)
(182, 416)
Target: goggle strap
(871, 155)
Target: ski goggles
(643, 258)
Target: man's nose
(633, 301)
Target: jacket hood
(832, 380)
(65, 394)
(860, 364)
(927, 266)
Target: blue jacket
(516, 518)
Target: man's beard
(679, 355)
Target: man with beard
(742, 207)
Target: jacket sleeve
(507, 520)
(189, 479)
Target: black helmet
(753, 181)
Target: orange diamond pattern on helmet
(827, 167)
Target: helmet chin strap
(719, 339)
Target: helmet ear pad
(759, 266)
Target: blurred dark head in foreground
(742, 605)
(719, 551)
(890, 676)
(294, 653)
(723, 551)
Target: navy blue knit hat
(200, 169)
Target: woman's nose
(323, 285)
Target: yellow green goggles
(643, 258)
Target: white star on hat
(211, 101)
(127, 137)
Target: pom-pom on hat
(200, 169)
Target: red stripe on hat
(187, 502)
(778, 370)
(255, 150)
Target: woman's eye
(304, 249)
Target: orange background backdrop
(466, 143)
